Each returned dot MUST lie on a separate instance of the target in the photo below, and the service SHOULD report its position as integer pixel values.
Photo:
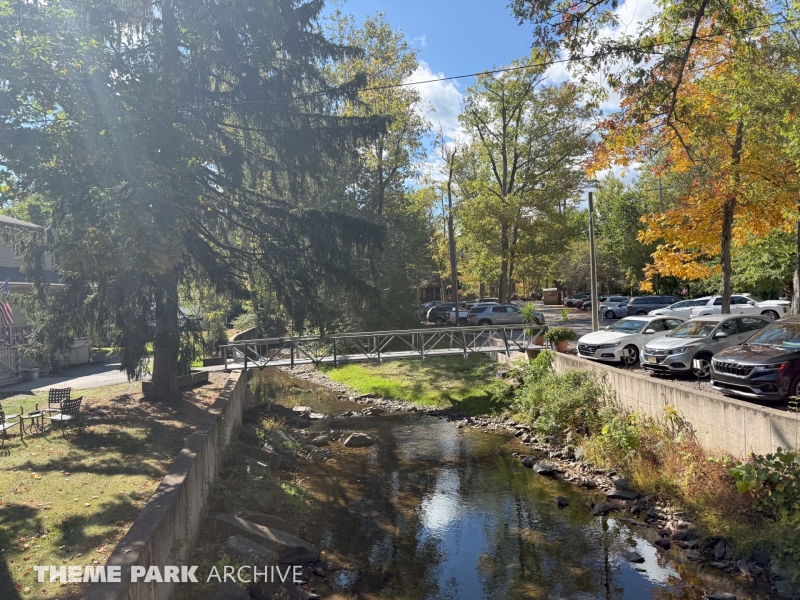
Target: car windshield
(779, 334)
(633, 326)
(694, 329)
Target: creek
(433, 511)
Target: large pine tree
(170, 133)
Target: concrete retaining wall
(720, 423)
(168, 524)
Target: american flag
(6, 316)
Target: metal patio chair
(55, 398)
(70, 413)
(5, 426)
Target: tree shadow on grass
(19, 523)
(117, 438)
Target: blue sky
(457, 37)
(454, 36)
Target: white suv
(742, 304)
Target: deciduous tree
(528, 138)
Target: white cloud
(441, 100)
(630, 14)
(627, 174)
(421, 40)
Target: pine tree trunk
(166, 343)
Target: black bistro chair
(55, 398)
(70, 413)
(6, 426)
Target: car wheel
(794, 389)
(569, 305)
(610, 314)
(462, 322)
(705, 366)
(439, 321)
(484, 322)
(630, 355)
(640, 312)
(771, 315)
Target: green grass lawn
(439, 381)
(69, 499)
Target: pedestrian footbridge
(377, 346)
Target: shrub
(559, 334)
(773, 483)
(620, 431)
(216, 335)
(555, 403)
(245, 321)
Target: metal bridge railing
(380, 345)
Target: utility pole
(593, 265)
(660, 189)
(452, 239)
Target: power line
(548, 63)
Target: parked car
(462, 315)
(743, 304)
(570, 301)
(773, 309)
(426, 306)
(765, 367)
(699, 340)
(623, 341)
(584, 303)
(642, 305)
(499, 314)
(614, 307)
(438, 314)
(587, 304)
(680, 309)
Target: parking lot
(581, 322)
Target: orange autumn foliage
(707, 138)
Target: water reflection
(432, 511)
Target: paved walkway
(79, 378)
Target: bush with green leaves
(245, 321)
(217, 334)
(557, 402)
(620, 431)
(559, 334)
(773, 483)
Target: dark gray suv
(641, 305)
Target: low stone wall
(720, 423)
(168, 524)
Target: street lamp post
(593, 265)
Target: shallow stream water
(432, 512)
